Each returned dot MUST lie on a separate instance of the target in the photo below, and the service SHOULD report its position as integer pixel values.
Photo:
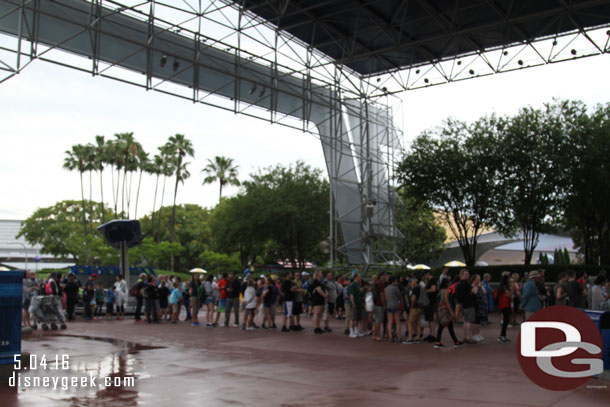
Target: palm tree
(144, 165)
(88, 152)
(180, 147)
(221, 170)
(167, 169)
(76, 160)
(101, 158)
(156, 168)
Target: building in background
(18, 254)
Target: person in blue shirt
(530, 301)
(174, 300)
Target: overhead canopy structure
(373, 37)
(328, 67)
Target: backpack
(134, 291)
(452, 299)
(201, 294)
(422, 299)
(49, 289)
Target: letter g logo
(554, 346)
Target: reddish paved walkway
(199, 366)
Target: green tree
(424, 239)
(532, 176)
(76, 159)
(588, 199)
(58, 230)
(179, 148)
(221, 170)
(100, 160)
(455, 169)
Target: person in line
(486, 284)
(576, 293)
(561, 297)
(392, 300)
(288, 292)
(270, 298)
(465, 307)
(598, 297)
(110, 302)
(415, 296)
(233, 290)
(222, 297)
(318, 299)
(430, 309)
(71, 289)
(249, 303)
(174, 300)
(379, 305)
(331, 299)
(164, 292)
(356, 306)
(299, 294)
(208, 286)
(99, 301)
(120, 297)
(446, 316)
(530, 298)
(503, 298)
(151, 295)
(480, 307)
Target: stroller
(47, 309)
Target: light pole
(25, 249)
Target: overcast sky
(47, 108)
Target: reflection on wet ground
(106, 370)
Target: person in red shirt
(222, 302)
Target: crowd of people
(406, 309)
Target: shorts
(330, 308)
(356, 314)
(393, 310)
(26, 303)
(194, 304)
(209, 300)
(222, 304)
(175, 307)
(109, 308)
(288, 308)
(120, 301)
(378, 314)
(429, 314)
(250, 311)
(415, 315)
(271, 308)
(297, 308)
(470, 315)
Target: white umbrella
(198, 270)
(421, 267)
(481, 263)
(455, 263)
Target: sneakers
(300, 328)
(439, 345)
(235, 326)
(458, 344)
(318, 331)
(408, 341)
(503, 339)
(478, 338)
(250, 328)
(195, 324)
(284, 329)
(327, 329)
(353, 335)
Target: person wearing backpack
(430, 304)
(379, 302)
(465, 307)
(392, 300)
(446, 316)
(415, 313)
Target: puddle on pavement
(77, 370)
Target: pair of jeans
(139, 301)
(151, 308)
(232, 304)
(505, 319)
(439, 332)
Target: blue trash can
(11, 290)
(604, 327)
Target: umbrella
(2, 268)
(421, 267)
(481, 263)
(198, 270)
(455, 263)
(410, 267)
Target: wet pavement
(185, 365)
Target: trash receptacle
(604, 327)
(11, 291)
